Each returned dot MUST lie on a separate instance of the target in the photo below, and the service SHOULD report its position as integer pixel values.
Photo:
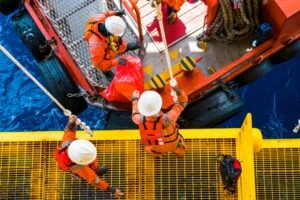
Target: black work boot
(102, 170)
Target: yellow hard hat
(149, 103)
(115, 25)
(82, 152)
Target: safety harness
(151, 131)
(91, 28)
(62, 158)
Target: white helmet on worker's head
(149, 103)
(115, 25)
(82, 152)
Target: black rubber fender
(31, 35)
(254, 73)
(59, 83)
(207, 112)
(8, 6)
(287, 53)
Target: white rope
(163, 35)
(65, 111)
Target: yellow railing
(28, 169)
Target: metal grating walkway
(28, 169)
(69, 22)
(277, 169)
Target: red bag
(127, 79)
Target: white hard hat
(115, 25)
(149, 103)
(82, 152)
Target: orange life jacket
(91, 26)
(151, 132)
(111, 45)
(63, 159)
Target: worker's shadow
(173, 31)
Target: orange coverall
(175, 4)
(212, 10)
(170, 128)
(102, 55)
(88, 172)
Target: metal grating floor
(69, 22)
(28, 171)
(278, 173)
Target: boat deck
(69, 22)
(271, 168)
(191, 18)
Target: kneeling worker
(104, 35)
(158, 130)
(79, 157)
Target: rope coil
(66, 112)
(235, 20)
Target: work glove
(72, 122)
(154, 3)
(132, 46)
(120, 13)
(72, 119)
(174, 86)
(135, 95)
(122, 61)
(118, 193)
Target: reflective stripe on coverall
(88, 172)
(102, 56)
(170, 128)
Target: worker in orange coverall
(158, 130)
(79, 157)
(104, 35)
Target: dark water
(24, 106)
(274, 100)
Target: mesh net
(68, 18)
